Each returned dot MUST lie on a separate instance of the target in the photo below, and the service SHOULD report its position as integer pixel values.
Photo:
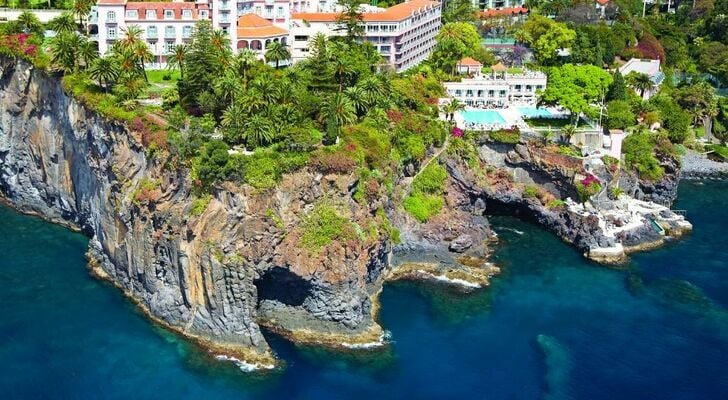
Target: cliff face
(215, 276)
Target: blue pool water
(534, 112)
(482, 117)
(551, 326)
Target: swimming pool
(482, 117)
(534, 112)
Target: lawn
(159, 80)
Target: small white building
(469, 66)
(499, 88)
(403, 34)
(648, 67)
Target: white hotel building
(498, 88)
(403, 34)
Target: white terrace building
(499, 88)
(278, 12)
(403, 34)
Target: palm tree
(105, 71)
(142, 55)
(319, 47)
(81, 9)
(258, 131)
(64, 50)
(227, 87)
(373, 90)
(356, 96)
(567, 132)
(221, 44)
(336, 112)
(449, 109)
(233, 122)
(64, 23)
(639, 81)
(177, 59)
(243, 62)
(265, 85)
(252, 101)
(28, 22)
(132, 36)
(87, 52)
(277, 52)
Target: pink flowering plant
(588, 187)
(457, 132)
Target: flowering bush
(588, 187)
(457, 132)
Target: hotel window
(169, 32)
(385, 49)
(168, 14)
(539, 87)
(300, 38)
(280, 12)
(529, 88)
(169, 46)
(151, 14)
(269, 11)
(186, 32)
(111, 16)
(152, 32)
(111, 33)
(132, 14)
(187, 14)
(203, 13)
(458, 92)
(258, 10)
(502, 93)
(518, 88)
(491, 93)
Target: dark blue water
(552, 326)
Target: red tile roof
(469, 62)
(398, 12)
(500, 12)
(251, 26)
(602, 2)
(160, 6)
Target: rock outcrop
(215, 276)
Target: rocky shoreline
(698, 166)
(218, 276)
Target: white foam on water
(383, 340)
(452, 281)
(244, 365)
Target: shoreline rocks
(698, 166)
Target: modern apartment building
(403, 34)
(499, 88)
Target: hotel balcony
(152, 35)
(170, 35)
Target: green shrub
(423, 206)
(431, 179)
(530, 192)
(639, 155)
(508, 136)
(569, 150)
(556, 204)
(199, 205)
(324, 225)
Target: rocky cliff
(215, 276)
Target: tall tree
(351, 19)
(337, 111)
(277, 52)
(63, 23)
(545, 36)
(618, 89)
(459, 11)
(81, 9)
(177, 59)
(243, 62)
(29, 23)
(577, 88)
(455, 41)
(64, 51)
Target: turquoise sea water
(552, 326)
(482, 117)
